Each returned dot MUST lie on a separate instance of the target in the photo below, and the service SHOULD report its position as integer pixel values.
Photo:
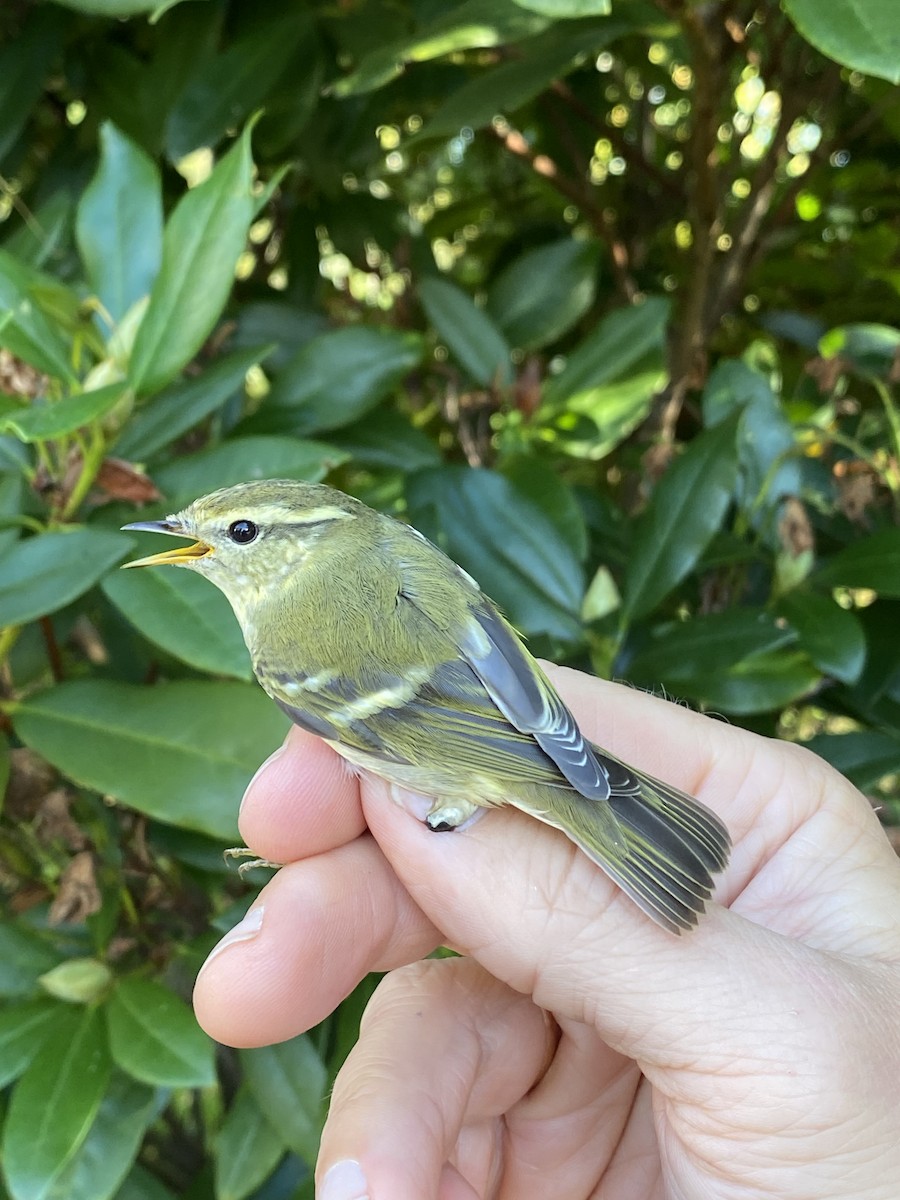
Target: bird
(367, 635)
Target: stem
(90, 465)
(8, 638)
(892, 475)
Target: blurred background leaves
(601, 295)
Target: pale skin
(579, 1051)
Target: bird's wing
(529, 701)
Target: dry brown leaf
(78, 895)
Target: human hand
(756, 1056)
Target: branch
(602, 222)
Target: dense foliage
(602, 295)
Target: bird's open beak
(181, 554)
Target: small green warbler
(367, 635)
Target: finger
(444, 1051)
(838, 870)
(314, 932)
(302, 801)
(538, 915)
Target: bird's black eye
(242, 532)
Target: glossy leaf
(861, 34)
(42, 574)
(181, 752)
(24, 958)
(864, 756)
(544, 292)
(24, 63)
(336, 378)
(289, 1083)
(107, 1153)
(202, 241)
(507, 87)
(471, 335)
(54, 1104)
(469, 26)
(25, 329)
(247, 1149)
(154, 1037)
(120, 223)
(685, 511)
(113, 8)
(225, 90)
(185, 404)
(244, 458)
(831, 636)
(705, 647)
(568, 8)
(871, 349)
(184, 615)
(40, 422)
(620, 344)
(11, 486)
(759, 684)
(23, 1030)
(386, 439)
(506, 542)
(872, 562)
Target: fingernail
(264, 767)
(244, 931)
(344, 1181)
(412, 802)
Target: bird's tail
(668, 847)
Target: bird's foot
(247, 853)
(444, 816)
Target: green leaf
(471, 336)
(243, 458)
(864, 756)
(25, 330)
(25, 63)
(119, 225)
(560, 9)
(44, 573)
(759, 684)
(110, 1148)
(46, 238)
(248, 1149)
(506, 88)
(862, 34)
(469, 26)
(24, 958)
(506, 542)
(288, 326)
(541, 295)
(11, 501)
(203, 238)
(23, 1030)
(872, 562)
(386, 439)
(155, 1038)
(611, 352)
(141, 1185)
(700, 650)
(180, 407)
(41, 421)
(685, 511)
(54, 1104)
(181, 752)
(179, 612)
(871, 349)
(336, 378)
(289, 1082)
(767, 453)
(225, 89)
(537, 479)
(831, 636)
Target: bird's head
(249, 536)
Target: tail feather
(668, 849)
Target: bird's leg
(246, 852)
(446, 815)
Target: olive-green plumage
(367, 635)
